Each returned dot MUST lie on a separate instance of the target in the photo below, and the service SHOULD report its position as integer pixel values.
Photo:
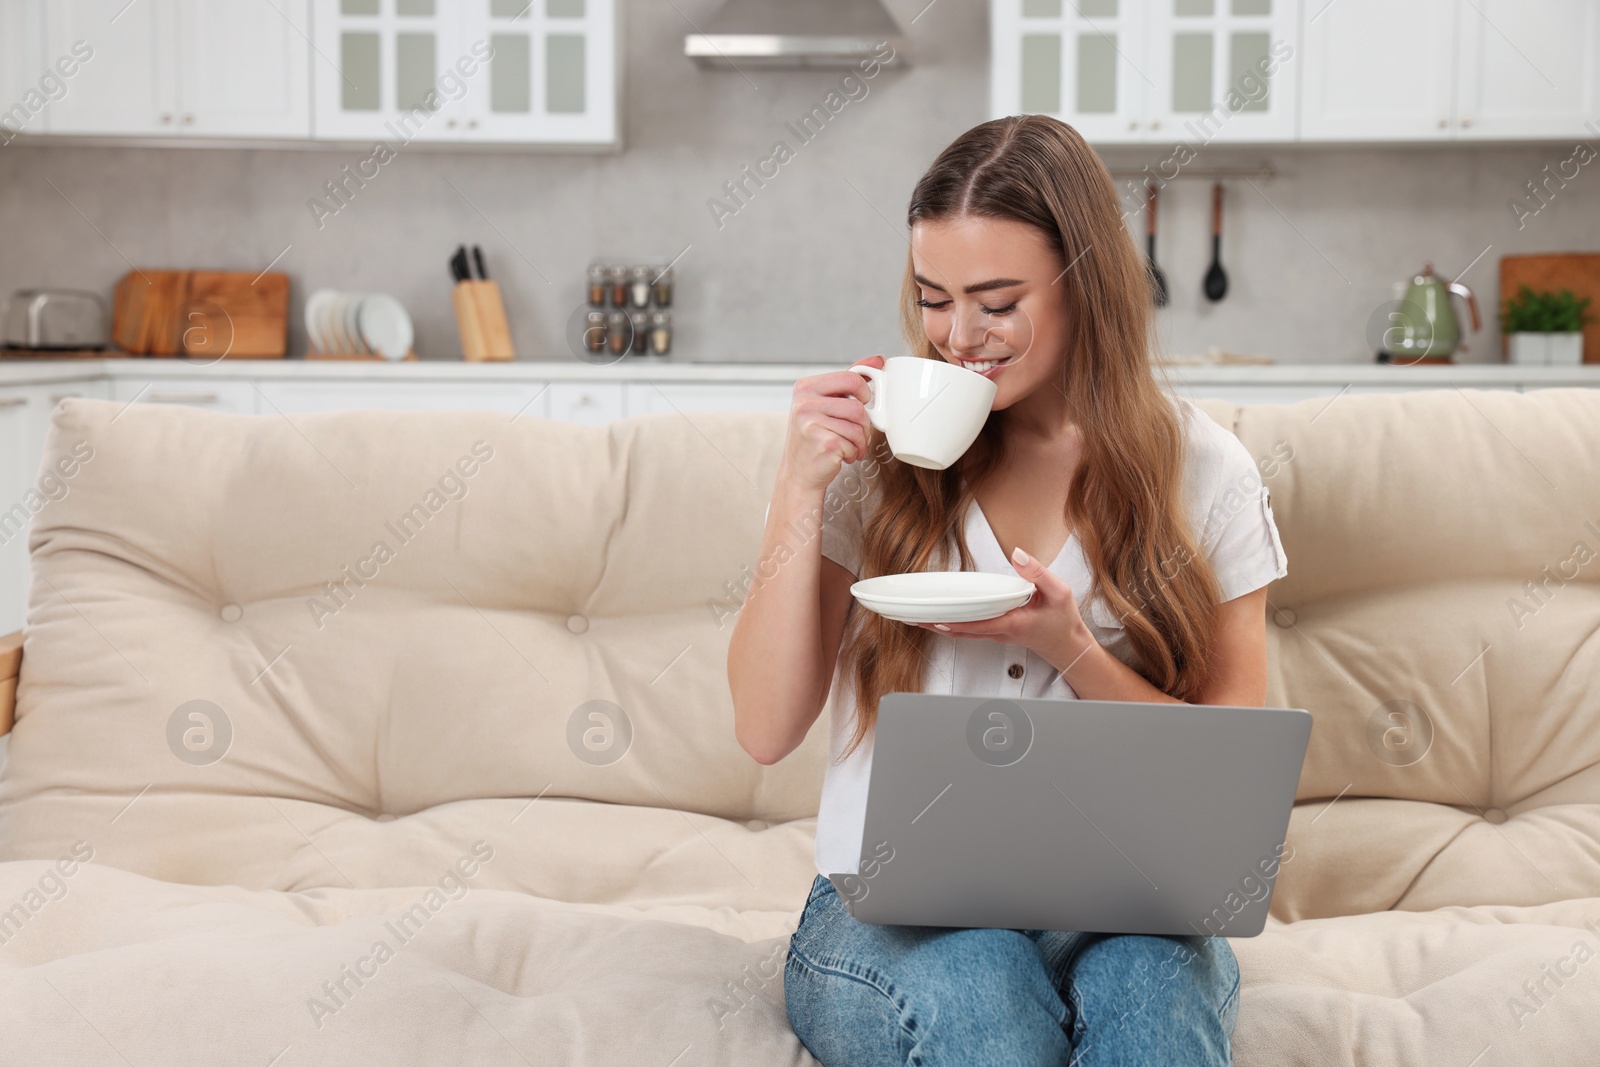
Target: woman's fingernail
(1019, 556)
(940, 626)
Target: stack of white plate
(363, 324)
(942, 596)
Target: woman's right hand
(828, 425)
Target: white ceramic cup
(931, 411)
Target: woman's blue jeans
(865, 995)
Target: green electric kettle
(1423, 329)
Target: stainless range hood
(796, 33)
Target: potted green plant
(1545, 327)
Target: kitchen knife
(477, 255)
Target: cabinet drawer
(587, 402)
(228, 396)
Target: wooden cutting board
(202, 314)
(1578, 271)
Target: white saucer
(942, 596)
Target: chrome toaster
(53, 319)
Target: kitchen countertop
(35, 370)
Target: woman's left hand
(1048, 623)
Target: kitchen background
(809, 269)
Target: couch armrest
(10, 669)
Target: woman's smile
(988, 366)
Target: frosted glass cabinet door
(1078, 60)
(1359, 84)
(392, 70)
(1527, 70)
(552, 76)
(128, 83)
(242, 68)
(1223, 70)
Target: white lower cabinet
(1254, 394)
(290, 397)
(229, 396)
(15, 478)
(646, 397)
(24, 424)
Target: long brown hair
(1127, 491)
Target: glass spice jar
(617, 330)
(639, 286)
(663, 287)
(599, 273)
(619, 287)
(661, 332)
(594, 332)
(639, 321)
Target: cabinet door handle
(184, 398)
(188, 120)
(1134, 125)
(13, 401)
(1444, 123)
(1466, 122)
(166, 118)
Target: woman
(1156, 525)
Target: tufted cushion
(1439, 620)
(399, 616)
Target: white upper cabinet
(125, 85)
(25, 84)
(552, 77)
(522, 71)
(392, 70)
(1135, 71)
(1082, 62)
(244, 68)
(1449, 69)
(1277, 71)
(1527, 69)
(1378, 70)
(1221, 70)
(200, 68)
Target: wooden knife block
(481, 320)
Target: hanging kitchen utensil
(1216, 277)
(1158, 281)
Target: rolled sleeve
(844, 507)
(1242, 541)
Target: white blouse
(1229, 511)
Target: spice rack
(628, 310)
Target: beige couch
(276, 791)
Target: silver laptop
(1093, 815)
